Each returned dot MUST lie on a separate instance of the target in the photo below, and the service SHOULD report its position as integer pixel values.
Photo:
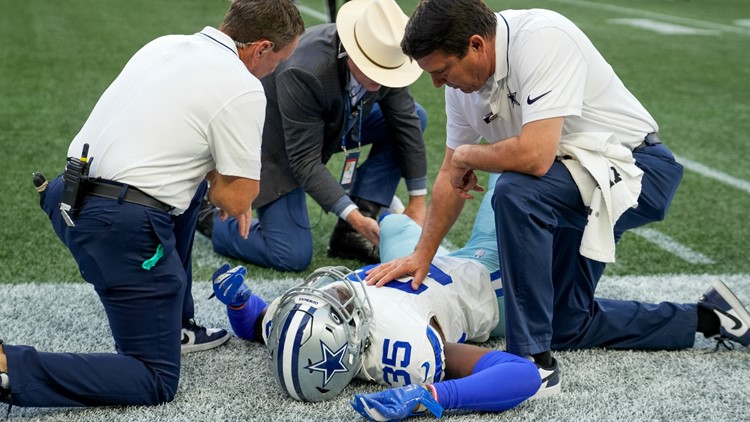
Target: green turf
(58, 57)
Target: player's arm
(460, 359)
(495, 381)
(247, 320)
(244, 309)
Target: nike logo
(727, 319)
(531, 101)
(426, 367)
(546, 376)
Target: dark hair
(446, 26)
(278, 21)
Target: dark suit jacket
(305, 121)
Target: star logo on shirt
(331, 363)
(512, 98)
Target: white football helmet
(319, 333)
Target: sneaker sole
(204, 346)
(732, 300)
(547, 392)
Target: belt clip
(123, 191)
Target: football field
(688, 62)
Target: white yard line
(659, 16)
(706, 171)
(667, 243)
(670, 245)
(663, 27)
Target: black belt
(127, 193)
(650, 139)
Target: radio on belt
(75, 176)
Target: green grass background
(57, 57)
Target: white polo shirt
(551, 69)
(182, 106)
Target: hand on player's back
(414, 265)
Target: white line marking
(670, 245)
(713, 174)
(658, 16)
(742, 22)
(313, 13)
(663, 27)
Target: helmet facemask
(319, 334)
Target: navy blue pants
(281, 236)
(549, 287)
(145, 307)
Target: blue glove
(396, 403)
(229, 285)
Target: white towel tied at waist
(609, 182)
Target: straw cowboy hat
(371, 32)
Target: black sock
(543, 359)
(708, 322)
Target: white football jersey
(404, 348)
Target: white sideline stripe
(670, 245)
(742, 22)
(663, 27)
(658, 16)
(713, 174)
(312, 13)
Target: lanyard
(357, 114)
(351, 158)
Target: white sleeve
(552, 75)
(235, 136)
(457, 129)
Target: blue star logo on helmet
(332, 362)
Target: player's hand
(229, 285)
(396, 403)
(415, 265)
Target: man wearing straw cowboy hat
(344, 87)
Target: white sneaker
(550, 380)
(733, 317)
(196, 338)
